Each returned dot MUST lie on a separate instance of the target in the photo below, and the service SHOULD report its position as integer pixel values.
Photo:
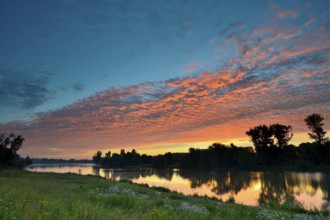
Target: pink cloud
(282, 13)
(287, 13)
(192, 67)
(211, 106)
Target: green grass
(28, 195)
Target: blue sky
(56, 55)
(82, 47)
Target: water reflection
(311, 190)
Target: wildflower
(302, 216)
(193, 208)
(142, 196)
(265, 214)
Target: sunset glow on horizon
(82, 76)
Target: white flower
(193, 208)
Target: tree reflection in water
(274, 187)
(247, 187)
(220, 182)
(130, 174)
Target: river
(309, 189)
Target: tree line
(52, 161)
(270, 148)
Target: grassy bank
(27, 195)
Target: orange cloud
(217, 106)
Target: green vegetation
(28, 195)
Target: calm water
(311, 189)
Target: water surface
(310, 189)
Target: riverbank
(29, 195)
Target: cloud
(278, 72)
(78, 87)
(23, 90)
(230, 27)
(283, 14)
(192, 67)
(208, 106)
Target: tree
(97, 157)
(25, 162)
(261, 137)
(269, 142)
(282, 133)
(314, 123)
(106, 161)
(108, 154)
(9, 145)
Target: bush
(9, 145)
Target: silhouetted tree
(97, 157)
(269, 142)
(108, 154)
(261, 137)
(115, 160)
(106, 160)
(282, 133)
(169, 158)
(9, 145)
(135, 158)
(25, 162)
(146, 159)
(314, 123)
(159, 161)
(308, 155)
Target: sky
(77, 76)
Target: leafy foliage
(9, 145)
(314, 123)
(97, 157)
(282, 134)
(270, 141)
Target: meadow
(30, 195)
